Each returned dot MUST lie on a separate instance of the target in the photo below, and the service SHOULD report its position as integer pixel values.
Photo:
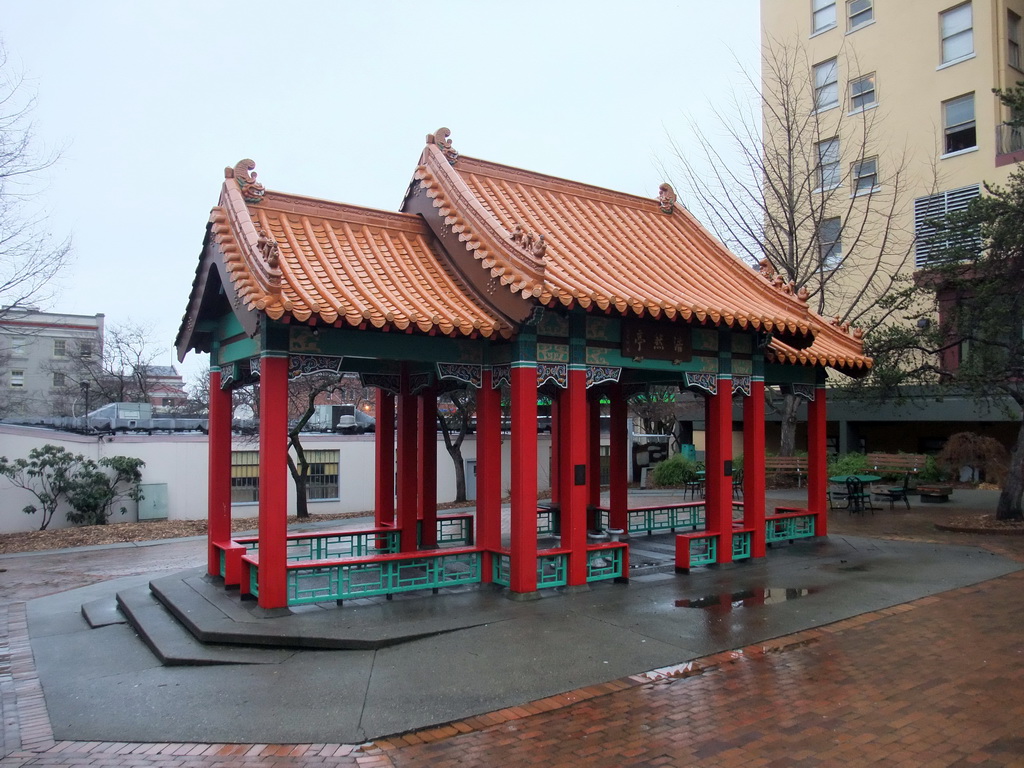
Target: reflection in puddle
(746, 598)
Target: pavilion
(491, 277)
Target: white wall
(180, 461)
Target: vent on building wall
(932, 209)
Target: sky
(147, 102)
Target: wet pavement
(932, 679)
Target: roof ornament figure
(766, 269)
(539, 247)
(529, 242)
(440, 138)
(268, 248)
(666, 198)
(243, 173)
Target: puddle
(747, 598)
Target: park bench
(786, 465)
(896, 463)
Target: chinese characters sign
(656, 341)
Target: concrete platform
(440, 658)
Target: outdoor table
(862, 478)
(857, 504)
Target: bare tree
(122, 373)
(818, 192)
(29, 257)
(455, 413)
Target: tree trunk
(1009, 506)
(787, 438)
(301, 504)
(460, 472)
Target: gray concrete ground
(104, 684)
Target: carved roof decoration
(244, 174)
(666, 198)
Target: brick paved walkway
(936, 682)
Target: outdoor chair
(858, 500)
(897, 493)
(737, 484)
(837, 498)
(695, 485)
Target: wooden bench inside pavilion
(503, 280)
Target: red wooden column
(594, 453)
(618, 488)
(575, 475)
(524, 478)
(718, 451)
(218, 511)
(555, 449)
(817, 460)
(753, 466)
(273, 493)
(488, 471)
(408, 445)
(384, 459)
(426, 489)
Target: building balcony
(1009, 144)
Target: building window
(828, 164)
(958, 124)
(859, 13)
(245, 477)
(865, 176)
(17, 379)
(19, 347)
(830, 243)
(85, 348)
(929, 212)
(1013, 39)
(826, 85)
(59, 380)
(957, 27)
(322, 481)
(60, 348)
(823, 15)
(862, 92)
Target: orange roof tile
(597, 248)
(333, 263)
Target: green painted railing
(789, 526)
(665, 518)
(741, 541)
(546, 522)
(394, 574)
(703, 550)
(605, 563)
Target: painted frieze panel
(741, 384)
(707, 382)
(705, 339)
(744, 367)
(603, 329)
(470, 374)
(553, 324)
(557, 373)
(600, 374)
(307, 365)
(552, 353)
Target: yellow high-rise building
(923, 72)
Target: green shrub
(849, 464)
(674, 472)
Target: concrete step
(102, 613)
(176, 646)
